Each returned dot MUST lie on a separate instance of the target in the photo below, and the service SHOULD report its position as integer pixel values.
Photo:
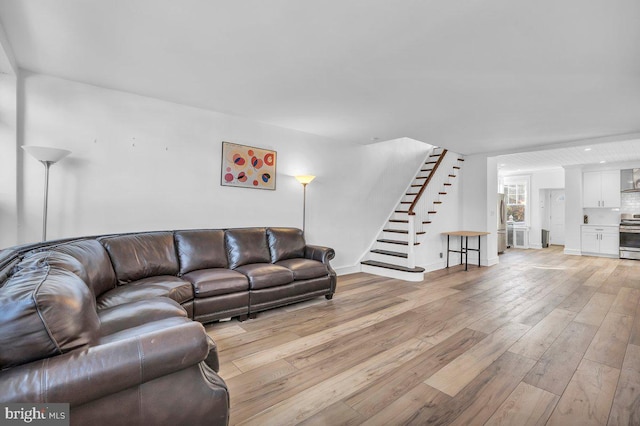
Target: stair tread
(452, 175)
(390, 253)
(399, 220)
(417, 269)
(442, 193)
(437, 202)
(456, 167)
(460, 159)
(402, 243)
(447, 184)
(401, 211)
(401, 231)
(432, 212)
(397, 231)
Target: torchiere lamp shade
(45, 154)
(305, 179)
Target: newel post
(411, 238)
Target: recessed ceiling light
(587, 149)
(602, 162)
(502, 165)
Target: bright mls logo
(36, 414)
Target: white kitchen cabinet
(600, 240)
(601, 189)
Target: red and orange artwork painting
(248, 167)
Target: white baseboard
(345, 270)
(491, 261)
(435, 266)
(537, 246)
(573, 252)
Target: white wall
(8, 172)
(546, 179)
(479, 205)
(144, 164)
(572, 210)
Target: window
(516, 191)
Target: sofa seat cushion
(304, 269)
(216, 281)
(136, 313)
(164, 285)
(265, 275)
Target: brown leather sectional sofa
(107, 323)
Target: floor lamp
(46, 156)
(304, 180)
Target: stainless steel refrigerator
(502, 223)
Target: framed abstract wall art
(248, 167)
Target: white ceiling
(472, 76)
(596, 154)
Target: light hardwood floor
(541, 338)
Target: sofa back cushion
(88, 260)
(138, 256)
(285, 243)
(201, 249)
(44, 311)
(246, 245)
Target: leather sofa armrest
(81, 376)
(324, 255)
(319, 253)
(212, 359)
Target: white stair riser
(397, 225)
(400, 216)
(394, 260)
(400, 275)
(391, 247)
(395, 236)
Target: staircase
(393, 252)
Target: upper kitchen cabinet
(601, 189)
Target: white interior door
(556, 219)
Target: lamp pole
(304, 205)
(46, 156)
(47, 165)
(304, 180)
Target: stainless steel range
(630, 236)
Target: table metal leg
(461, 251)
(447, 251)
(478, 251)
(466, 253)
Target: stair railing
(426, 183)
(411, 237)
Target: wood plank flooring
(541, 338)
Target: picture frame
(246, 166)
